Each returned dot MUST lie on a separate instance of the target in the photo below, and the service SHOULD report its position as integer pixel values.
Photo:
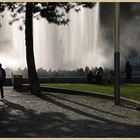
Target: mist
(130, 41)
(84, 42)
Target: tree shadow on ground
(13, 105)
(87, 106)
(16, 121)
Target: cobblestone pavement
(61, 115)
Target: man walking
(2, 79)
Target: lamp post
(117, 55)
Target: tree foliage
(53, 12)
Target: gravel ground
(61, 115)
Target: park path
(61, 115)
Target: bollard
(17, 82)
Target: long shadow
(13, 105)
(55, 124)
(87, 106)
(80, 112)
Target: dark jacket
(3, 73)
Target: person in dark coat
(2, 79)
(128, 72)
(98, 75)
(90, 77)
(111, 77)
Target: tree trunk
(33, 78)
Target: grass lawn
(131, 91)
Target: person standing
(111, 77)
(98, 75)
(128, 72)
(90, 77)
(2, 79)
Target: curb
(130, 103)
(76, 92)
(123, 101)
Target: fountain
(71, 46)
(76, 45)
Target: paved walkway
(61, 115)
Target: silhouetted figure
(98, 75)
(89, 77)
(2, 79)
(128, 72)
(111, 77)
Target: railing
(73, 80)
